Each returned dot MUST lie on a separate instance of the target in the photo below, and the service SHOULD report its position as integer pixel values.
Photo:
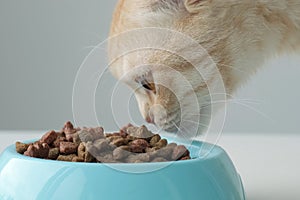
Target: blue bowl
(212, 177)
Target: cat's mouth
(172, 123)
(185, 124)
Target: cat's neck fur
(262, 29)
(238, 34)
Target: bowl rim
(215, 152)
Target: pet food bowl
(212, 177)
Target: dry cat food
(130, 145)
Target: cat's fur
(239, 35)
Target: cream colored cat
(239, 35)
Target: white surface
(269, 164)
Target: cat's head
(165, 83)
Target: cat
(239, 36)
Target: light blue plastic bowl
(211, 178)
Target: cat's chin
(170, 127)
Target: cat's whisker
(232, 67)
(197, 115)
(248, 101)
(242, 104)
(255, 110)
(182, 135)
(176, 125)
(187, 129)
(233, 97)
(229, 101)
(197, 123)
(174, 117)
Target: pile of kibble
(130, 145)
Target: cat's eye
(148, 86)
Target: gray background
(43, 43)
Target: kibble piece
(123, 134)
(31, 151)
(102, 145)
(120, 153)
(159, 159)
(149, 149)
(185, 158)
(37, 150)
(139, 132)
(58, 140)
(85, 136)
(69, 128)
(60, 134)
(172, 145)
(124, 128)
(90, 147)
(123, 131)
(133, 158)
(69, 137)
(130, 138)
(21, 147)
(77, 159)
(161, 143)
(179, 152)
(88, 157)
(91, 134)
(140, 142)
(53, 153)
(112, 147)
(119, 141)
(90, 152)
(49, 137)
(107, 158)
(165, 152)
(109, 135)
(137, 149)
(155, 139)
(76, 138)
(139, 146)
(97, 133)
(143, 157)
(114, 137)
(67, 158)
(68, 147)
(43, 149)
(81, 150)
